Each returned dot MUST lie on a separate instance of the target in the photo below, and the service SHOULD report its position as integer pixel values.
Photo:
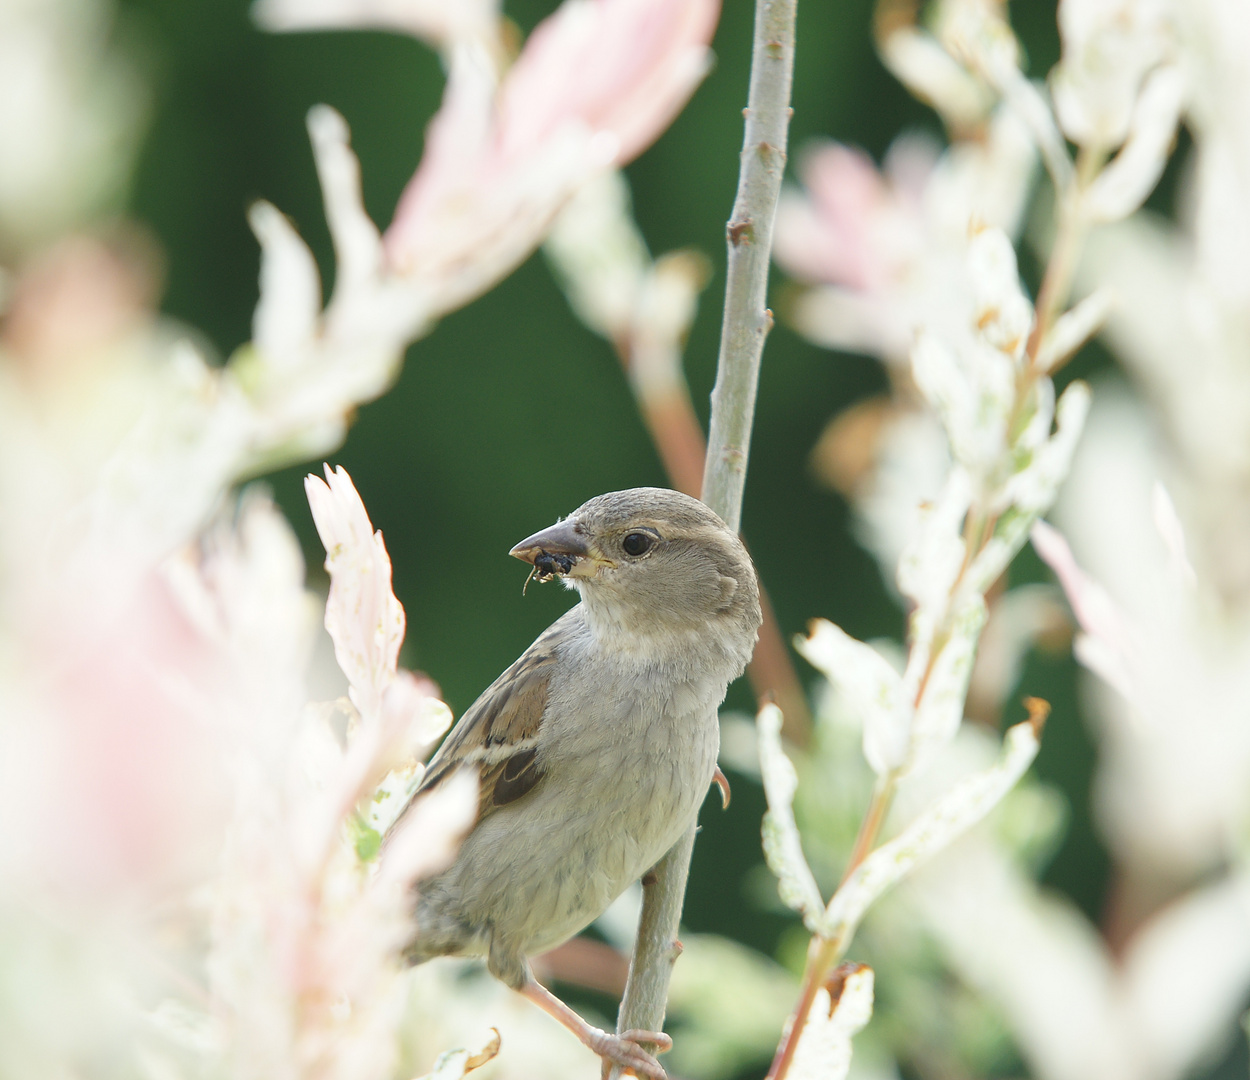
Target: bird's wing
(499, 732)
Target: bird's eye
(637, 544)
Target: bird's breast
(627, 752)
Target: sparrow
(595, 749)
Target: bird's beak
(563, 541)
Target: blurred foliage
(511, 413)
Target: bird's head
(649, 561)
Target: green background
(511, 413)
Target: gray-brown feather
(497, 732)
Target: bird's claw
(625, 1050)
(663, 1043)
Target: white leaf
(1186, 974)
(872, 688)
(1028, 102)
(1032, 954)
(919, 62)
(599, 256)
(418, 717)
(973, 391)
(427, 834)
(1073, 328)
(662, 318)
(433, 21)
(783, 849)
(1003, 313)
(1016, 620)
(1123, 185)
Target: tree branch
(750, 240)
(746, 324)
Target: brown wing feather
(508, 714)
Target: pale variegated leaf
(783, 849)
(599, 256)
(930, 563)
(1030, 492)
(972, 389)
(940, 710)
(1034, 489)
(936, 827)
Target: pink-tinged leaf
(623, 67)
(596, 83)
(854, 227)
(1108, 648)
(363, 617)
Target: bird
(595, 749)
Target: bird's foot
(626, 1051)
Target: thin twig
(746, 324)
(750, 239)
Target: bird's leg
(624, 1049)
